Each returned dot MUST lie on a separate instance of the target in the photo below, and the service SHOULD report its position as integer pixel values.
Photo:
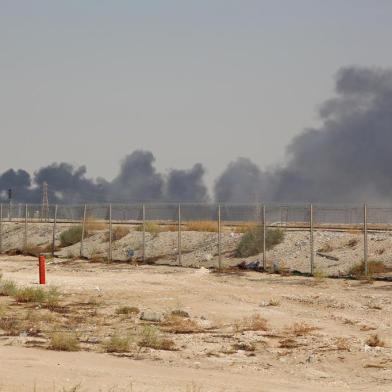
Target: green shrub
(71, 236)
(251, 242)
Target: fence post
(311, 239)
(264, 237)
(219, 238)
(54, 230)
(25, 229)
(179, 235)
(1, 228)
(144, 232)
(365, 240)
(110, 233)
(83, 230)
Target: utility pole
(45, 202)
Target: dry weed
(375, 341)
(128, 310)
(288, 343)
(301, 329)
(342, 344)
(207, 226)
(253, 323)
(178, 324)
(151, 338)
(117, 344)
(64, 341)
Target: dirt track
(342, 311)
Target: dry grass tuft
(301, 329)
(30, 294)
(288, 343)
(151, 338)
(209, 226)
(253, 323)
(178, 324)
(244, 346)
(342, 344)
(375, 341)
(8, 288)
(117, 344)
(150, 227)
(64, 341)
(128, 310)
(119, 232)
(33, 250)
(374, 267)
(11, 326)
(93, 224)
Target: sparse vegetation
(178, 324)
(128, 310)
(117, 344)
(251, 242)
(319, 275)
(92, 224)
(8, 288)
(72, 236)
(33, 250)
(10, 325)
(375, 341)
(151, 338)
(253, 323)
(151, 228)
(64, 341)
(30, 294)
(342, 344)
(244, 346)
(288, 343)
(374, 267)
(301, 329)
(119, 232)
(209, 226)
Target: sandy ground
(332, 357)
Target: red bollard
(42, 270)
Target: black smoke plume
(138, 180)
(347, 159)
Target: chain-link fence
(193, 234)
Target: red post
(42, 270)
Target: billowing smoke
(348, 159)
(242, 181)
(187, 185)
(138, 180)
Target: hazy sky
(88, 82)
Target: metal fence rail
(309, 217)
